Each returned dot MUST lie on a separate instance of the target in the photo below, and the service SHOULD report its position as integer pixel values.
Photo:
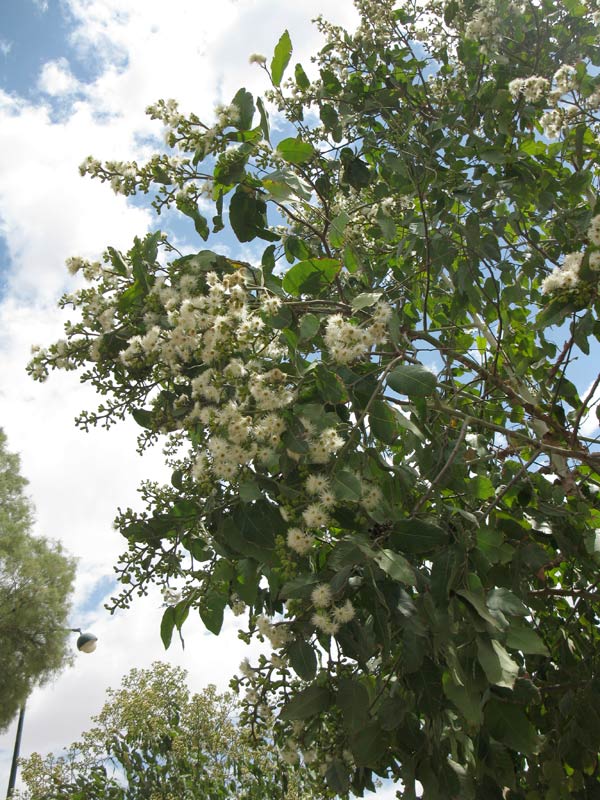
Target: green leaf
(143, 417)
(264, 119)
(212, 608)
(498, 666)
(309, 326)
(167, 624)
(346, 486)
(368, 745)
(338, 776)
(310, 276)
(353, 700)
(502, 599)
(330, 386)
(301, 77)
(303, 659)
(396, 566)
(365, 299)
(465, 698)
(306, 704)
(244, 103)
(417, 536)
(382, 422)
(281, 57)
(508, 724)
(295, 151)
(338, 226)
(478, 604)
(248, 215)
(356, 173)
(412, 380)
(520, 636)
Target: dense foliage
(376, 420)
(36, 580)
(153, 741)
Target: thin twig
(446, 467)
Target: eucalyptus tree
(153, 740)
(36, 580)
(378, 420)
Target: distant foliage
(36, 581)
(378, 417)
(154, 741)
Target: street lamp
(86, 643)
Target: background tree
(374, 421)
(153, 741)
(36, 581)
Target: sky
(75, 79)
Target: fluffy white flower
(321, 596)
(299, 541)
(343, 614)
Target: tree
(153, 741)
(36, 580)
(376, 422)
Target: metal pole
(15, 758)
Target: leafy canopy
(152, 740)
(36, 581)
(375, 422)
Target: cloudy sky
(75, 78)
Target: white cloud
(57, 79)
(5, 47)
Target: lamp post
(86, 643)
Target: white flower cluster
(567, 275)
(346, 342)
(485, 27)
(532, 89)
(278, 633)
(328, 618)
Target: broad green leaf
(306, 703)
(310, 276)
(295, 151)
(338, 226)
(353, 700)
(368, 745)
(382, 422)
(365, 299)
(346, 486)
(143, 417)
(508, 724)
(412, 380)
(303, 659)
(212, 608)
(478, 604)
(465, 698)
(330, 386)
(167, 625)
(338, 776)
(417, 536)
(498, 666)
(281, 57)
(502, 599)
(520, 636)
(244, 102)
(396, 566)
(309, 326)
(301, 77)
(264, 119)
